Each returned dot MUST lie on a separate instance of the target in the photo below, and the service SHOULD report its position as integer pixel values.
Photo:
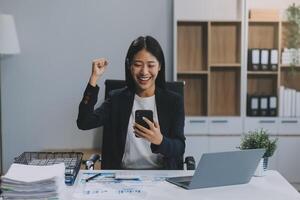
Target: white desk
(272, 186)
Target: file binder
(273, 59)
(264, 59)
(272, 105)
(253, 106)
(254, 59)
(263, 102)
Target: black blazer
(114, 114)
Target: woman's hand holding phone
(152, 134)
(98, 68)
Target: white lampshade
(9, 43)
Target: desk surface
(272, 186)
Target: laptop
(222, 168)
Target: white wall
(208, 9)
(42, 86)
(216, 9)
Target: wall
(42, 86)
(208, 10)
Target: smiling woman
(130, 145)
(144, 71)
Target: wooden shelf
(225, 21)
(262, 73)
(225, 83)
(225, 44)
(271, 35)
(264, 21)
(192, 72)
(192, 46)
(225, 65)
(182, 20)
(209, 55)
(209, 61)
(288, 66)
(263, 35)
(263, 84)
(195, 95)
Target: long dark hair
(153, 47)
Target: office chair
(177, 87)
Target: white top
(138, 154)
(272, 186)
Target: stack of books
(33, 182)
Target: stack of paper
(33, 182)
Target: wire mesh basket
(72, 161)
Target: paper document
(120, 185)
(34, 182)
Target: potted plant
(293, 33)
(259, 139)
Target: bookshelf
(263, 35)
(211, 56)
(270, 35)
(193, 65)
(209, 61)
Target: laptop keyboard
(185, 183)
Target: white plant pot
(262, 167)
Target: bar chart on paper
(114, 186)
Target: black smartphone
(139, 114)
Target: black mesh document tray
(72, 161)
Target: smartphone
(139, 114)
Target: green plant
(259, 139)
(293, 39)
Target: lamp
(9, 45)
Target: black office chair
(176, 86)
(110, 85)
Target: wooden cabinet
(208, 61)
(270, 35)
(211, 56)
(255, 123)
(196, 125)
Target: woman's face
(144, 70)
